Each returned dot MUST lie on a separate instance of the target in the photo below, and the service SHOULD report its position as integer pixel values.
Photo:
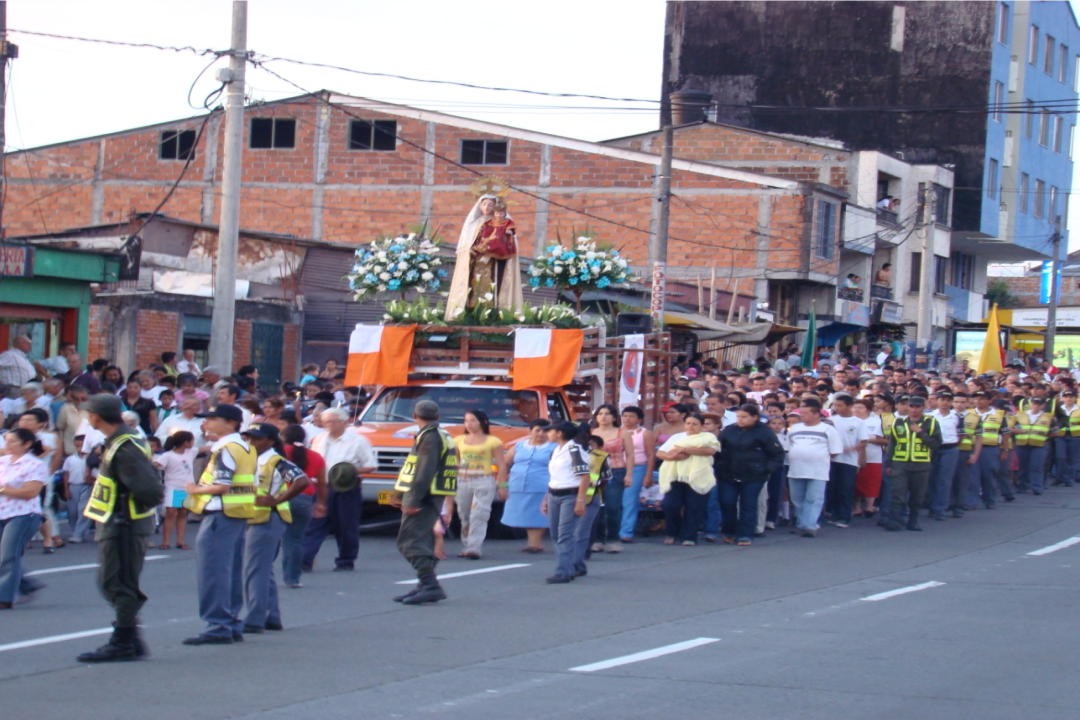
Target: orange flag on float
(991, 356)
(545, 357)
(379, 355)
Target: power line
(121, 43)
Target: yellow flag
(990, 357)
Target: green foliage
(997, 292)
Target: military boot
(120, 648)
(429, 591)
(411, 593)
(141, 650)
(913, 521)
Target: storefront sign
(16, 261)
(1047, 280)
(889, 312)
(656, 306)
(1036, 317)
(853, 312)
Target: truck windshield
(511, 408)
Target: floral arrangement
(424, 313)
(420, 312)
(398, 264)
(587, 265)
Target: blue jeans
(807, 496)
(942, 473)
(1068, 459)
(776, 491)
(15, 533)
(989, 466)
(842, 484)
(713, 514)
(564, 531)
(684, 509)
(738, 506)
(292, 543)
(608, 522)
(967, 482)
(1033, 466)
(261, 543)
(343, 519)
(219, 562)
(630, 504)
(80, 525)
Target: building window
(373, 135)
(1029, 118)
(1044, 128)
(941, 273)
(1072, 138)
(272, 133)
(942, 204)
(999, 99)
(992, 179)
(484, 152)
(1003, 24)
(826, 230)
(961, 270)
(1040, 198)
(1025, 181)
(1048, 59)
(1053, 203)
(1033, 46)
(176, 144)
(1063, 63)
(1059, 132)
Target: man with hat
(429, 473)
(225, 497)
(127, 490)
(1034, 427)
(1067, 444)
(912, 442)
(348, 455)
(943, 468)
(277, 482)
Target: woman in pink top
(620, 450)
(22, 476)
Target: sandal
(163, 547)
(58, 542)
(669, 541)
(532, 550)
(183, 547)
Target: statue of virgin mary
(479, 273)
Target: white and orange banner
(545, 358)
(379, 354)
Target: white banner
(633, 365)
(1036, 317)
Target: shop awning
(832, 333)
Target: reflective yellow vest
(239, 501)
(445, 480)
(596, 466)
(908, 446)
(969, 427)
(991, 427)
(1032, 433)
(1073, 428)
(1051, 405)
(888, 419)
(103, 496)
(266, 480)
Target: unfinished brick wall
(157, 332)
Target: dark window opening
(373, 135)
(177, 145)
(484, 152)
(269, 133)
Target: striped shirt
(16, 368)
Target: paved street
(792, 627)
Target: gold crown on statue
(490, 185)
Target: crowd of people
(738, 452)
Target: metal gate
(267, 341)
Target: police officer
(966, 484)
(429, 474)
(279, 481)
(1034, 427)
(126, 491)
(1067, 445)
(225, 497)
(995, 450)
(912, 443)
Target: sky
(63, 90)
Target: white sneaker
(613, 547)
(597, 547)
(770, 525)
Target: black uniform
(416, 537)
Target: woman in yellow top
(481, 468)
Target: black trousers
(121, 565)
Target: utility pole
(1055, 288)
(8, 51)
(926, 276)
(659, 241)
(223, 321)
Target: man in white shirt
(16, 369)
(339, 446)
(184, 420)
(845, 466)
(188, 364)
(813, 444)
(32, 396)
(943, 468)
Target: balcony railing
(881, 292)
(852, 294)
(888, 217)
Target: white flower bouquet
(398, 264)
(587, 265)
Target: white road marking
(481, 571)
(88, 566)
(1056, 546)
(645, 655)
(54, 639)
(902, 591)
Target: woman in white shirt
(568, 497)
(22, 475)
(36, 421)
(868, 480)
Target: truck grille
(390, 462)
